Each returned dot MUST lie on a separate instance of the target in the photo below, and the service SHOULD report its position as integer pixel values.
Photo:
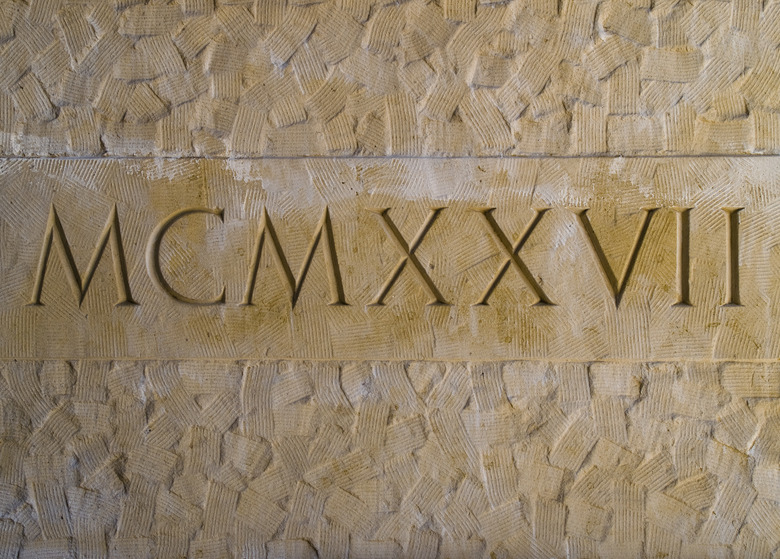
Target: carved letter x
(409, 256)
(512, 257)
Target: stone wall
(613, 392)
(389, 459)
(463, 77)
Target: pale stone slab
(579, 259)
(221, 458)
(346, 77)
(587, 384)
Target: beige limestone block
(301, 282)
(403, 258)
(476, 66)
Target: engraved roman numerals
(324, 227)
(409, 257)
(732, 259)
(324, 238)
(683, 257)
(153, 255)
(616, 286)
(111, 233)
(513, 259)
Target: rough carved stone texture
(388, 459)
(670, 450)
(620, 281)
(647, 424)
(343, 77)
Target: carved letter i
(732, 260)
(683, 257)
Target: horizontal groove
(384, 157)
(392, 360)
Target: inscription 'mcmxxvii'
(323, 236)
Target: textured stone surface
(396, 459)
(617, 392)
(437, 275)
(269, 77)
(612, 432)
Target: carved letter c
(153, 255)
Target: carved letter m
(55, 231)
